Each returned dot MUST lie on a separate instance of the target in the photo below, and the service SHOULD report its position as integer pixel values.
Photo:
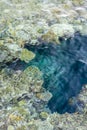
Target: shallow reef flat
(23, 21)
(43, 45)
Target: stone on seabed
(26, 55)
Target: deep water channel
(64, 70)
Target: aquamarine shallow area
(64, 70)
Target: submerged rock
(26, 55)
(6, 55)
(10, 127)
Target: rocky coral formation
(23, 101)
(8, 53)
(29, 20)
(19, 103)
(26, 55)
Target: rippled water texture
(64, 70)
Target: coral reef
(18, 97)
(23, 99)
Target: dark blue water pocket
(64, 70)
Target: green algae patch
(26, 55)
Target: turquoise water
(64, 70)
